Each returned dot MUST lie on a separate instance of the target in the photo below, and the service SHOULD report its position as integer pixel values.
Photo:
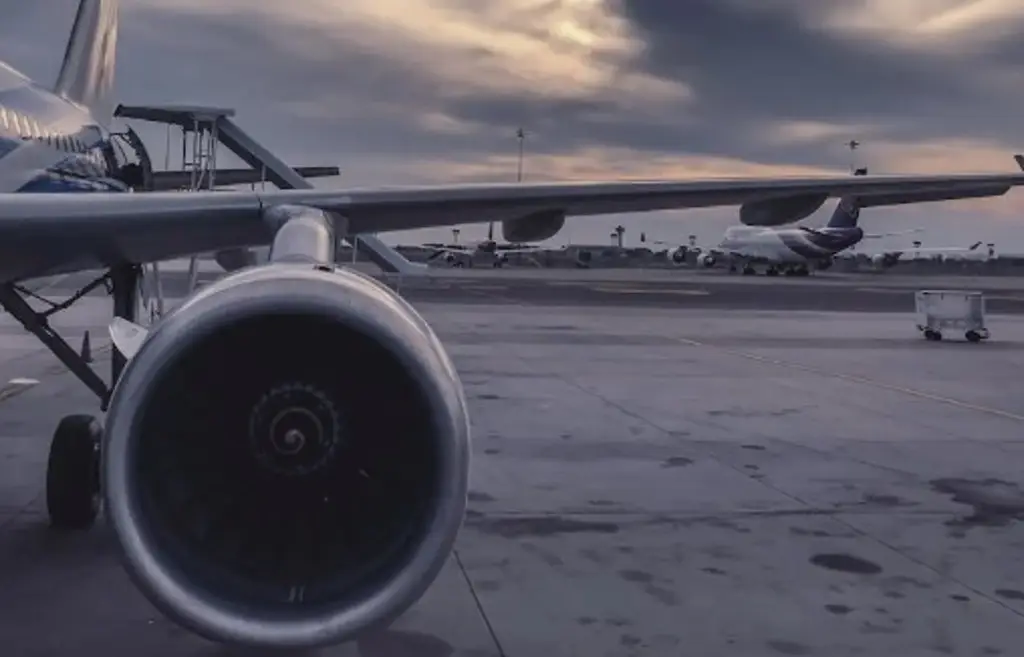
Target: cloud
(420, 91)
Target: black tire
(973, 336)
(72, 473)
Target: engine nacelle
(706, 260)
(780, 211)
(286, 458)
(535, 227)
(679, 255)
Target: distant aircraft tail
(87, 74)
(846, 213)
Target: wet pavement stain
(846, 563)
(492, 451)
(476, 496)
(538, 526)
(759, 448)
(996, 503)
(639, 576)
(747, 413)
(676, 462)
(788, 647)
(1010, 594)
(396, 643)
(959, 598)
(800, 531)
(488, 396)
(713, 571)
(629, 640)
(839, 610)
(885, 500)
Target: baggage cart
(941, 311)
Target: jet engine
(285, 461)
(679, 256)
(706, 260)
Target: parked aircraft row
(229, 480)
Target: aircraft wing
(48, 233)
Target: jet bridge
(208, 127)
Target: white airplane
(793, 251)
(889, 258)
(285, 455)
(458, 255)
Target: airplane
(793, 251)
(887, 259)
(285, 454)
(459, 255)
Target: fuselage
(788, 245)
(49, 144)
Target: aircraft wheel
(973, 336)
(932, 335)
(771, 271)
(748, 271)
(72, 473)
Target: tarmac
(653, 474)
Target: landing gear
(771, 271)
(72, 474)
(748, 270)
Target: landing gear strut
(72, 472)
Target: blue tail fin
(846, 213)
(87, 74)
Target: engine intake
(286, 458)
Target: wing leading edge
(42, 234)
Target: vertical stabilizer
(87, 74)
(846, 213)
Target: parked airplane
(887, 259)
(459, 255)
(248, 460)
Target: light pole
(521, 138)
(853, 144)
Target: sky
(400, 92)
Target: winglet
(127, 336)
(977, 244)
(1019, 159)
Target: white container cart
(957, 310)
